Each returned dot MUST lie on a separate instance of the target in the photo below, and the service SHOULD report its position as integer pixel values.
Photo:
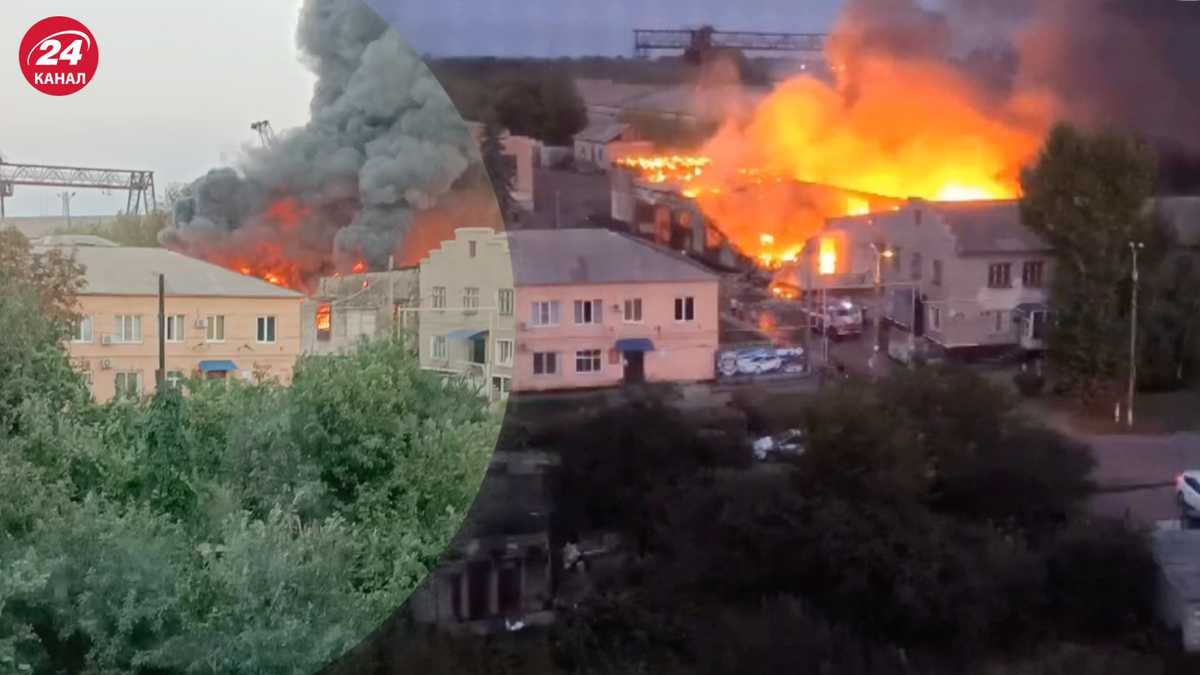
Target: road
(1135, 473)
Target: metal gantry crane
(138, 183)
(698, 42)
(266, 135)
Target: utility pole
(162, 333)
(879, 256)
(1134, 247)
(66, 205)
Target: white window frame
(472, 248)
(504, 352)
(549, 318)
(634, 304)
(506, 300)
(996, 271)
(212, 323)
(438, 297)
(999, 322)
(471, 299)
(139, 384)
(682, 304)
(439, 348)
(175, 328)
(589, 312)
(83, 332)
(266, 321)
(120, 335)
(555, 356)
(935, 318)
(594, 356)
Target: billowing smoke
(1128, 64)
(383, 144)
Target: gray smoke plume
(383, 143)
(1129, 64)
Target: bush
(1029, 383)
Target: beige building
(467, 309)
(982, 277)
(344, 310)
(219, 324)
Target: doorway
(635, 367)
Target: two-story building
(599, 308)
(219, 323)
(979, 277)
(548, 310)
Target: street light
(1134, 247)
(880, 254)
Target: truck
(839, 318)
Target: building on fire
(979, 276)
(345, 309)
(552, 310)
(219, 324)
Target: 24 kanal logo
(59, 56)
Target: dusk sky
(180, 82)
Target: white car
(1187, 491)
(764, 362)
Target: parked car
(762, 362)
(840, 318)
(787, 444)
(1187, 492)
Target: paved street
(1136, 473)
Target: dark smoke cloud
(1129, 64)
(383, 143)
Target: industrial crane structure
(697, 43)
(139, 184)
(266, 135)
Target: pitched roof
(596, 256)
(1182, 216)
(126, 270)
(602, 131)
(990, 227)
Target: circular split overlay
(58, 56)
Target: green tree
(51, 274)
(1087, 196)
(544, 105)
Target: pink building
(597, 308)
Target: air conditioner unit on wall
(106, 364)
(200, 323)
(106, 340)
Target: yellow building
(219, 323)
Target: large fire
(896, 130)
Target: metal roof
(579, 256)
(989, 227)
(126, 270)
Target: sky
(179, 81)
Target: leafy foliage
(238, 528)
(499, 172)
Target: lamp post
(1134, 247)
(880, 254)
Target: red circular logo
(59, 56)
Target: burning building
(383, 154)
(344, 309)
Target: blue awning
(217, 366)
(468, 334)
(635, 345)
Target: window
(471, 249)
(587, 361)
(1000, 321)
(545, 363)
(324, 322)
(470, 299)
(504, 352)
(1000, 275)
(505, 302)
(937, 272)
(214, 328)
(1032, 274)
(439, 297)
(916, 267)
(82, 330)
(685, 309)
(128, 384)
(935, 318)
(438, 346)
(266, 329)
(360, 323)
(633, 310)
(501, 386)
(175, 328)
(127, 328)
(545, 313)
(588, 311)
